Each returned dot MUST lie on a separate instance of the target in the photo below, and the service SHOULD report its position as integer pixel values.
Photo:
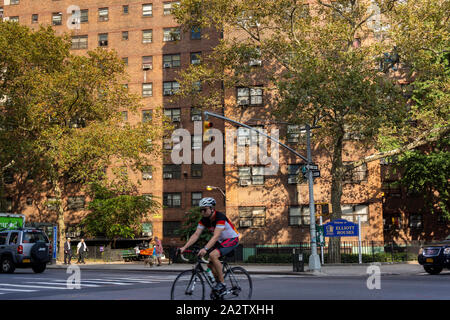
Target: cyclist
(224, 240)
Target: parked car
(24, 248)
(436, 256)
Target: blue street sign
(340, 228)
(55, 240)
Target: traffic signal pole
(314, 260)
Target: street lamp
(210, 188)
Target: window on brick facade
(79, 42)
(196, 170)
(170, 87)
(252, 217)
(147, 10)
(173, 114)
(103, 40)
(353, 211)
(195, 198)
(196, 142)
(84, 16)
(34, 18)
(147, 36)
(196, 57)
(171, 34)
(124, 35)
(171, 171)
(147, 89)
(125, 9)
(196, 114)
(76, 203)
(172, 200)
(251, 175)
(103, 14)
(171, 60)
(249, 96)
(168, 7)
(294, 174)
(299, 216)
(57, 18)
(355, 175)
(147, 115)
(170, 228)
(147, 63)
(196, 33)
(147, 173)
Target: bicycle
(190, 284)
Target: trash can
(298, 263)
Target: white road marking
(16, 290)
(31, 286)
(65, 283)
(108, 282)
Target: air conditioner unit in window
(167, 176)
(244, 183)
(293, 180)
(197, 118)
(195, 61)
(245, 223)
(254, 62)
(167, 65)
(147, 234)
(147, 67)
(243, 102)
(103, 43)
(176, 118)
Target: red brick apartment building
(267, 209)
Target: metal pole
(314, 260)
(321, 247)
(359, 239)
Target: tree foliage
(116, 214)
(61, 114)
(189, 226)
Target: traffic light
(207, 125)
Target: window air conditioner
(243, 102)
(167, 65)
(244, 183)
(176, 118)
(167, 176)
(245, 223)
(197, 118)
(146, 67)
(293, 180)
(254, 62)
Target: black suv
(24, 248)
(435, 257)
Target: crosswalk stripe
(16, 290)
(128, 280)
(108, 282)
(81, 282)
(65, 283)
(31, 286)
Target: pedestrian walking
(81, 250)
(158, 250)
(67, 252)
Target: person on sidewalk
(81, 250)
(158, 251)
(67, 252)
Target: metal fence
(371, 251)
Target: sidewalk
(269, 269)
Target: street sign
(340, 228)
(313, 167)
(55, 241)
(320, 238)
(315, 174)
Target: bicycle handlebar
(195, 251)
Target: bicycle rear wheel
(239, 284)
(188, 286)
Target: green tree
(317, 73)
(116, 213)
(61, 116)
(190, 225)
(426, 173)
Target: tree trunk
(337, 176)
(60, 220)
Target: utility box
(298, 262)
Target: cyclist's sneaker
(220, 288)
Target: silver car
(24, 248)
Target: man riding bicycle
(224, 240)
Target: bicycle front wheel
(188, 285)
(239, 284)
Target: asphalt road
(122, 285)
